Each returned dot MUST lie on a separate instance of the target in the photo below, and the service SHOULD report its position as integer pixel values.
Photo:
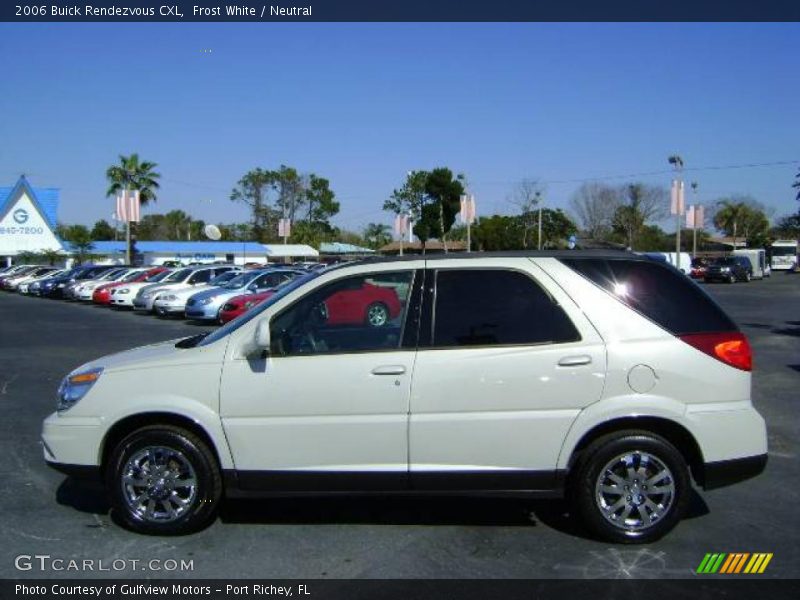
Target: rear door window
(659, 292)
(492, 307)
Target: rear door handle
(575, 361)
(389, 370)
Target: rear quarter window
(657, 291)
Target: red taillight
(732, 348)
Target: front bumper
(145, 304)
(72, 441)
(205, 312)
(169, 308)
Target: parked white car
(122, 296)
(23, 285)
(178, 279)
(85, 291)
(606, 377)
(173, 301)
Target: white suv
(607, 378)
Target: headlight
(61, 285)
(725, 269)
(147, 295)
(168, 298)
(122, 291)
(75, 386)
(206, 301)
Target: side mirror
(262, 340)
(253, 288)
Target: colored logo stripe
(734, 562)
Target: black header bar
(401, 10)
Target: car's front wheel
(631, 487)
(164, 480)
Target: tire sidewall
(209, 488)
(604, 450)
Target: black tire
(207, 492)
(747, 277)
(585, 494)
(374, 309)
(732, 278)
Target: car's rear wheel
(377, 314)
(164, 480)
(631, 487)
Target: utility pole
(125, 200)
(677, 201)
(539, 202)
(694, 219)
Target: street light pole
(694, 219)
(539, 236)
(677, 163)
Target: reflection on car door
(328, 409)
(509, 364)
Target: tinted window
(481, 307)
(354, 314)
(658, 292)
(201, 276)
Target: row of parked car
(212, 293)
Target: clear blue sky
(361, 104)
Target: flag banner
(699, 217)
(135, 206)
(122, 214)
(400, 225)
(676, 198)
(285, 228)
(690, 214)
(467, 213)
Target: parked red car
(239, 305)
(102, 295)
(369, 304)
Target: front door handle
(575, 361)
(389, 370)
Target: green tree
(639, 203)
(319, 200)
(51, 256)
(253, 189)
(377, 235)
(80, 238)
(410, 197)
(556, 228)
(742, 216)
(787, 226)
(102, 230)
(445, 192)
(499, 232)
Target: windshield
(158, 276)
(178, 275)
(282, 291)
(241, 280)
(784, 250)
(220, 279)
(725, 261)
(111, 274)
(132, 275)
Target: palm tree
(796, 184)
(131, 174)
(377, 234)
(729, 216)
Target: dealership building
(28, 219)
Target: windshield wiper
(192, 341)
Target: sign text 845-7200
(21, 230)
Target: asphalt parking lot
(42, 512)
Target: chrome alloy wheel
(377, 315)
(158, 484)
(634, 491)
